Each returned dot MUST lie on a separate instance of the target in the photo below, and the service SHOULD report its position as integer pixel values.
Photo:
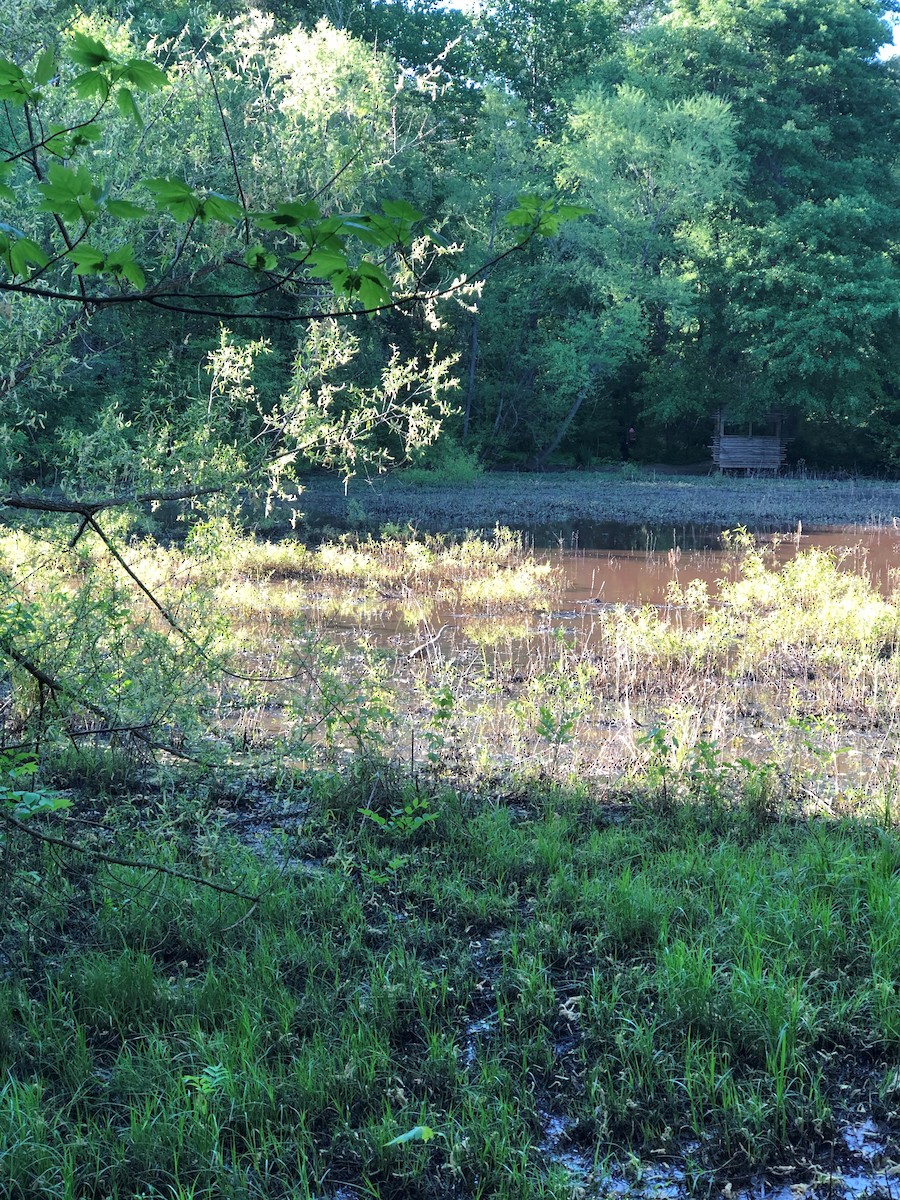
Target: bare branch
(234, 163)
(138, 864)
(89, 508)
(56, 687)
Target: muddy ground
(529, 500)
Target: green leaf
(437, 238)
(419, 1133)
(84, 136)
(88, 52)
(258, 258)
(174, 197)
(145, 76)
(92, 83)
(127, 106)
(372, 271)
(14, 87)
(70, 193)
(219, 208)
(571, 212)
(87, 259)
(324, 264)
(373, 231)
(134, 275)
(6, 192)
(24, 253)
(125, 210)
(372, 294)
(46, 67)
(121, 264)
(530, 202)
(288, 216)
(167, 188)
(57, 143)
(400, 210)
(72, 181)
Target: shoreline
(527, 500)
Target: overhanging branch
(138, 864)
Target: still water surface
(622, 564)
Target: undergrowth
(657, 974)
(614, 881)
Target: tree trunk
(470, 390)
(541, 459)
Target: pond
(608, 564)
(581, 687)
(630, 564)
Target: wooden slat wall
(732, 453)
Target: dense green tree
(801, 269)
(650, 172)
(543, 49)
(739, 161)
(129, 210)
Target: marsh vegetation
(384, 867)
(592, 906)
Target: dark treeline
(738, 160)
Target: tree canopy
(168, 173)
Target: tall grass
(508, 882)
(704, 977)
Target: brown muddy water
(493, 661)
(639, 568)
(605, 565)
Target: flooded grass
(631, 495)
(607, 898)
(787, 662)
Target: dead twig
(138, 864)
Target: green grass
(704, 974)
(509, 891)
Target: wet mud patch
(861, 1164)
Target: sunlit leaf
(14, 87)
(174, 197)
(88, 52)
(325, 264)
(91, 84)
(127, 106)
(288, 216)
(46, 67)
(143, 75)
(84, 136)
(125, 210)
(372, 294)
(419, 1133)
(219, 208)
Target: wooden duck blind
(756, 445)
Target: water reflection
(636, 564)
